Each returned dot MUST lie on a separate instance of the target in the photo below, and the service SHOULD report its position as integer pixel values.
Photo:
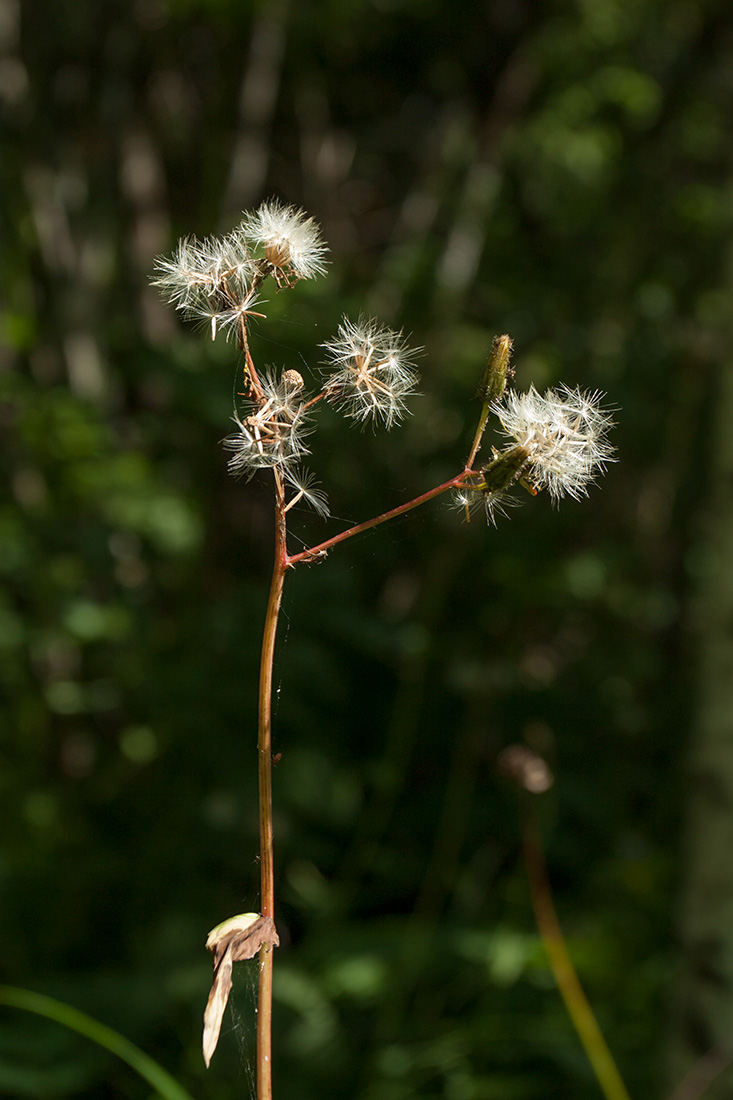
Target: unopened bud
(504, 470)
(497, 370)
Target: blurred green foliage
(558, 171)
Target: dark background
(560, 171)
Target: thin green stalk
(480, 429)
(576, 1002)
(159, 1079)
(264, 745)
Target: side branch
(322, 548)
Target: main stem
(264, 745)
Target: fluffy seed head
(209, 280)
(291, 241)
(564, 434)
(217, 279)
(373, 372)
(272, 429)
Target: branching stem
(322, 548)
(283, 562)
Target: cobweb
(242, 1020)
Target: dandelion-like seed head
(217, 280)
(373, 372)
(291, 241)
(563, 434)
(193, 271)
(271, 432)
(211, 280)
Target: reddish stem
(323, 547)
(264, 746)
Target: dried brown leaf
(234, 940)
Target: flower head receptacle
(498, 369)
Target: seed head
(291, 241)
(272, 429)
(564, 435)
(209, 280)
(373, 372)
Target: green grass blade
(165, 1085)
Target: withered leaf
(234, 940)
